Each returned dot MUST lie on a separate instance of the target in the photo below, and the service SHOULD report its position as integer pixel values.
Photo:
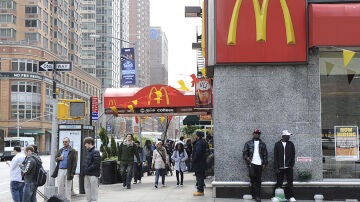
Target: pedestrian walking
(28, 169)
(16, 181)
(256, 158)
(159, 162)
(91, 168)
(66, 159)
(179, 156)
(148, 152)
(126, 152)
(137, 166)
(188, 148)
(199, 162)
(284, 161)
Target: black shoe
(257, 199)
(156, 186)
(128, 187)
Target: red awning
(334, 24)
(156, 99)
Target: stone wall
(272, 98)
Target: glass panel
(340, 96)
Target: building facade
(139, 35)
(33, 31)
(158, 56)
(26, 93)
(268, 80)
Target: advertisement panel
(273, 32)
(75, 142)
(346, 143)
(127, 66)
(203, 93)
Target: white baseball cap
(286, 132)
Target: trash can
(108, 172)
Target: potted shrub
(109, 158)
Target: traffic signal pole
(50, 188)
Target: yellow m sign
(260, 17)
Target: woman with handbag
(159, 162)
(179, 156)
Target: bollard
(247, 198)
(274, 199)
(318, 197)
(279, 194)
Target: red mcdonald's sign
(273, 32)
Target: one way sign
(45, 66)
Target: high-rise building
(158, 56)
(139, 35)
(33, 31)
(108, 45)
(88, 28)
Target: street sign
(45, 66)
(95, 116)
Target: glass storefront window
(340, 99)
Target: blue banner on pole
(127, 66)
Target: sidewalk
(145, 192)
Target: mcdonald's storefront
(286, 65)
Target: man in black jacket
(126, 152)
(256, 157)
(28, 169)
(284, 160)
(91, 168)
(199, 162)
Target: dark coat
(199, 155)
(126, 153)
(91, 165)
(72, 163)
(248, 151)
(28, 168)
(279, 155)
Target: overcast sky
(180, 32)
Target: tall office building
(88, 28)
(33, 31)
(139, 34)
(158, 56)
(108, 45)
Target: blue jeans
(160, 171)
(126, 173)
(16, 189)
(29, 194)
(200, 176)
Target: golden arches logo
(260, 18)
(159, 94)
(112, 102)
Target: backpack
(40, 174)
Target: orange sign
(272, 33)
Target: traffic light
(63, 110)
(77, 109)
(71, 109)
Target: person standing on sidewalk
(126, 152)
(159, 161)
(91, 168)
(179, 156)
(199, 162)
(148, 153)
(284, 161)
(16, 182)
(28, 169)
(256, 157)
(66, 159)
(137, 166)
